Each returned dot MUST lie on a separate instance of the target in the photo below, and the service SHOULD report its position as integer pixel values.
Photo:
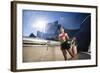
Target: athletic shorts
(65, 45)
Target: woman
(67, 44)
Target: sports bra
(63, 35)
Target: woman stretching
(67, 44)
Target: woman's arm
(59, 37)
(67, 37)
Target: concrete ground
(40, 53)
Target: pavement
(41, 53)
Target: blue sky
(36, 20)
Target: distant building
(32, 35)
(51, 31)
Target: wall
(5, 37)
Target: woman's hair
(61, 27)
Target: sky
(34, 21)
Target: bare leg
(74, 49)
(71, 52)
(64, 53)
